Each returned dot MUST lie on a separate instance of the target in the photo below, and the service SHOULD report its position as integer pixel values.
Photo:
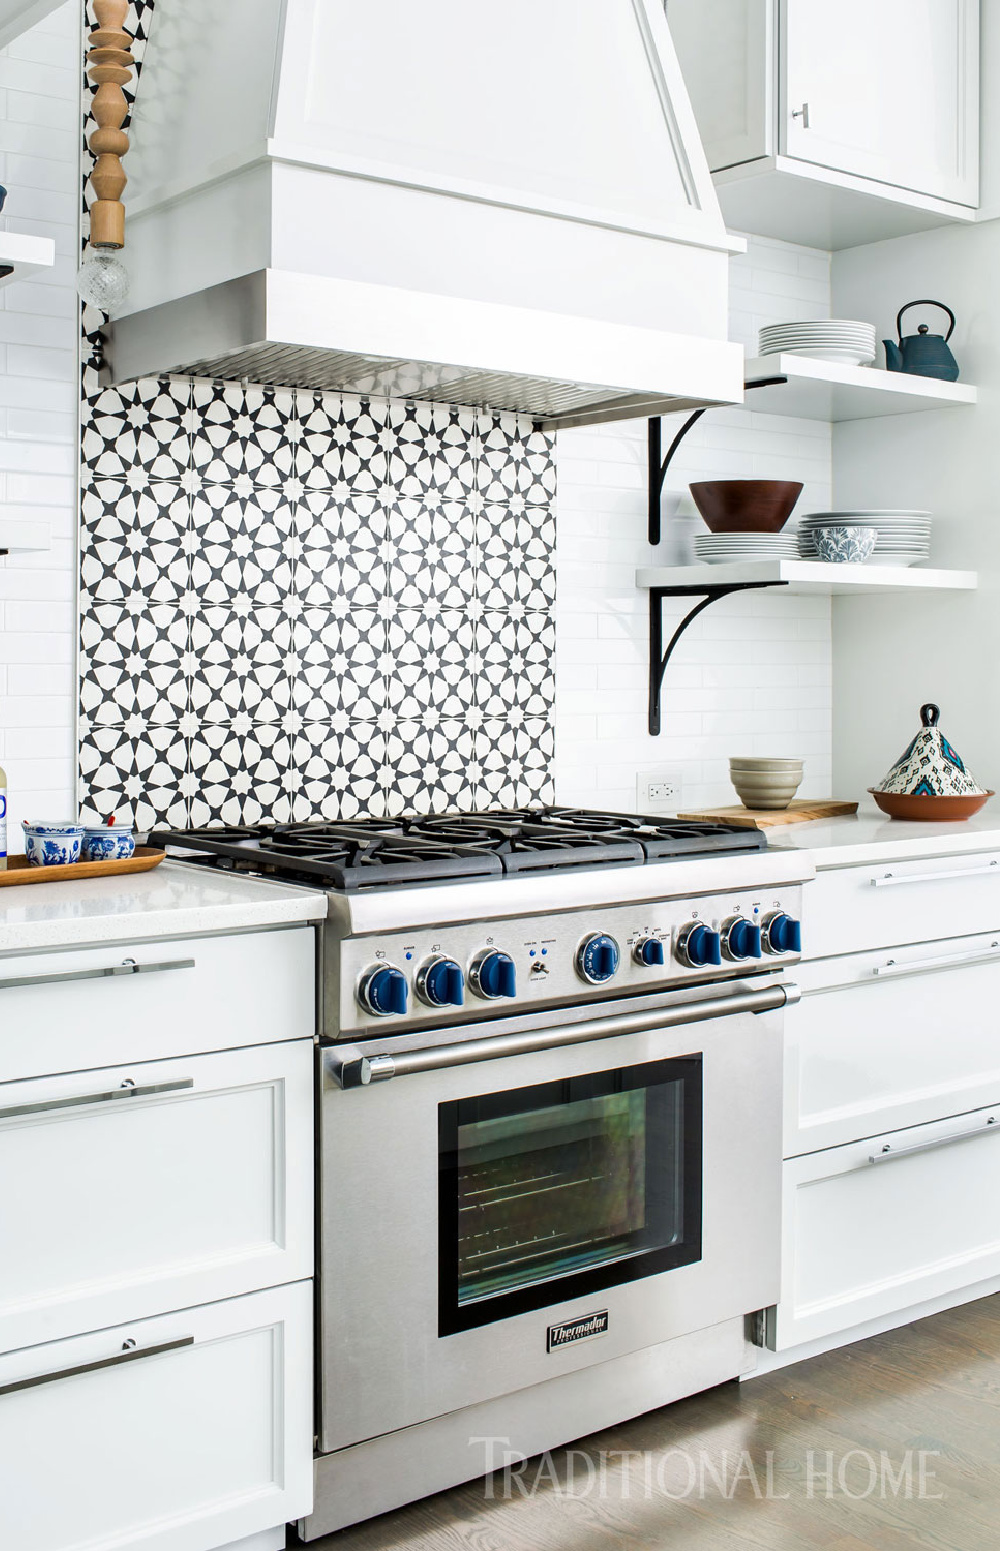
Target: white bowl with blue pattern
(52, 845)
(842, 544)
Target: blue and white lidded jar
(3, 819)
(108, 842)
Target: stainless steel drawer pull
(945, 961)
(128, 1090)
(126, 967)
(890, 880)
(130, 1355)
(349, 1067)
(889, 1152)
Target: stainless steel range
(549, 1127)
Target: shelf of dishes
(805, 576)
(838, 390)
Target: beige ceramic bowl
(766, 784)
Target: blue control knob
(492, 974)
(698, 946)
(782, 934)
(440, 983)
(597, 958)
(383, 990)
(741, 939)
(649, 951)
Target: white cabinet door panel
(195, 1185)
(862, 1239)
(890, 1039)
(89, 1007)
(890, 88)
(730, 82)
(200, 1443)
(850, 909)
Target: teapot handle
(925, 303)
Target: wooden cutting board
(800, 811)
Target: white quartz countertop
(173, 900)
(872, 837)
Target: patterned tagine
(929, 780)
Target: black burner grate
(368, 853)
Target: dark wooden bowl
(746, 505)
(904, 805)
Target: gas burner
(369, 853)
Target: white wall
(39, 394)
(892, 654)
(753, 675)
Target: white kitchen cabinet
(883, 1224)
(181, 1433)
(835, 122)
(91, 1007)
(884, 904)
(132, 1190)
(891, 1039)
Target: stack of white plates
(836, 339)
(721, 548)
(904, 538)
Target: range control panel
(467, 971)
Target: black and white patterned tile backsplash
(302, 606)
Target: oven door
(484, 1220)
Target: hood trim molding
(313, 331)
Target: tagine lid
(930, 767)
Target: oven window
(556, 1191)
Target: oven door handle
(351, 1068)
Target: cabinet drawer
(891, 1039)
(136, 1189)
(864, 1238)
(174, 1434)
(849, 909)
(60, 1012)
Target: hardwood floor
(890, 1444)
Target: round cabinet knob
(597, 958)
(782, 934)
(649, 952)
(699, 946)
(741, 939)
(383, 990)
(440, 982)
(492, 974)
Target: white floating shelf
(24, 256)
(809, 576)
(826, 390)
(23, 538)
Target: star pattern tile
(311, 605)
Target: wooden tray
(800, 811)
(20, 870)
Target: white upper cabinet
(885, 89)
(835, 122)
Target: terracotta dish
(904, 805)
(746, 505)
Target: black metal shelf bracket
(658, 658)
(658, 464)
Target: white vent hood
(504, 205)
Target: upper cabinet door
(726, 49)
(884, 89)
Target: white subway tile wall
(753, 674)
(39, 393)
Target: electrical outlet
(658, 789)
